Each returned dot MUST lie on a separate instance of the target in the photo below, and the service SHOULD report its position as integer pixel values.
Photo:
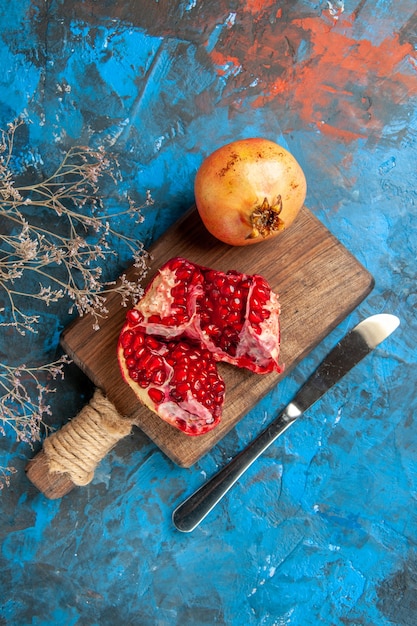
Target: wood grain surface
(318, 281)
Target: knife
(356, 345)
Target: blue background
(323, 528)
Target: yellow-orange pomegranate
(249, 190)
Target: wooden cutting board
(318, 281)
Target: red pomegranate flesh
(189, 318)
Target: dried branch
(5, 473)
(64, 258)
(23, 404)
(55, 237)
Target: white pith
(158, 299)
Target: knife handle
(70, 455)
(195, 508)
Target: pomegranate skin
(249, 191)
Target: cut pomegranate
(234, 315)
(239, 320)
(177, 380)
(189, 318)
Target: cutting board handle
(70, 455)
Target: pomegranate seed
(200, 394)
(255, 317)
(152, 343)
(181, 318)
(246, 362)
(126, 338)
(159, 377)
(181, 348)
(228, 290)
(262, 286)
(168, 321)
(174, 264)
(223, 312)
(156, 395)
(174, 395)
(183, 388)
(236, 303)
(210, 275)
(138, 341)
(180, 375)
(134, 316)
(155, 362)
(184, 273)
(142, 382)
(233, 318)
(131, 363)
(178, 292)
(139, 353)
(219, 386)
(213, 331)
(146, 357)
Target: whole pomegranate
(189, 318)
(249, 190)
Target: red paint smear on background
(339, 63)
(258, 6)
(224, 63)
(345, 86)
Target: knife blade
(354, 346)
